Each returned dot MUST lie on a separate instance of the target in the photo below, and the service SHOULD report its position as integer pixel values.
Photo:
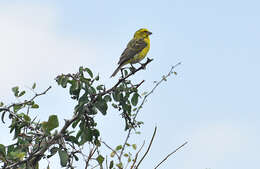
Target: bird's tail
(117, 69)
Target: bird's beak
(149, 33)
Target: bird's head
(142, 33)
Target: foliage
(36, 140)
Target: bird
(136, 49)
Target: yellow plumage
(136, 49)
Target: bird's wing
(133, 47)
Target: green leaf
(116, 95)
(119, 147)
(2, 150)
(63, 158)
(53, 151)
(126, 155)
(114, 105)
(86, 135)
(127, 107)
(59, 79)
(100, 87)
(92, 90)
(17, 131)
(3, 116)
(72, 139)
(35, 106)
(30, 103)
(17, 107)
(101, 105)
(97, 78)
(100, 159)
(21, 94)
(83, 99)
(107, 98)
(119, 165)
(79, 134)
(81, 69)
(89, 72)
(10, 149)
(134, 99)
(95, 133)
(112, 154)
(15, 90)
(75, 88)
(64, 81)
(126, 72)
(18, 155)
(111, 164)
(129, 159)
(34, 85)
(27, 118)
(134, 146)
(76, 157)
(1, 104)
(53, 122)
(97, 143)
(75, 123)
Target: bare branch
(91, 153)
(143, 101)
(39, 153)
(136, 156)
(171, 154)
(124, 78)
(156, 85)
(123, 148)
(150, 144)
(7, 109)
(112, 150)
(36, 95)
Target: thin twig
(126, 139)
(112, 150)
(106, 163)
(138, 85)
(153, 89)
(143, 101)
(23, 103)
(150, 144)
(136, 156)
(91, 153)
(37, 155)
(124, 78)
(171, 154)
(36, 95)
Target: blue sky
(212, 103)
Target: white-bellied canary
(136, 49)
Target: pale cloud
(31, 48)
(218, 139)
(209, 145)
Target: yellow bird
(136, 49)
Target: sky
(211, 103)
